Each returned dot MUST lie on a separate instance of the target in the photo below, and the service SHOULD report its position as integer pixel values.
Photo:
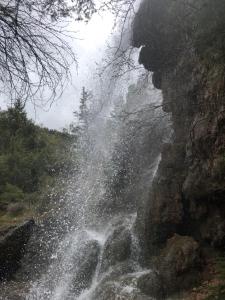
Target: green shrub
(12, 193)
(31, 157)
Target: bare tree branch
(35, 55)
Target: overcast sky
(89, 48)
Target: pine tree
(82, 117)
(83, 114)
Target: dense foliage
(31, 157)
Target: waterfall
(89, 249)
(98, 256)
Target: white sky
(89, 49)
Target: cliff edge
(183, 44)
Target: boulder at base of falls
(12, 247)
(118, 270)
(177, 268)
(150, 283)
(179, 265)
(123, 287)
(111, 291)
(117, 248)
(86, 266)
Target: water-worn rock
(118, 270)
(111, 291)
(12, 248)
(86, 266)
(117, 248)
(123, 287)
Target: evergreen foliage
(31, 157)
(82, 117)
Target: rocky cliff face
(187, 61)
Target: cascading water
(92, 246)
(98, 256)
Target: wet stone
(86, 266)
(12, 248)
(117, 248)
(113, 291)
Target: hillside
(31, 160)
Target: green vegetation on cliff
(31, 159)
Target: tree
(34, 54)
(31, 157)
(82, 117)
(17, 117)
(83, 114)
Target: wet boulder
(86, 266)
(117, 248)
(118, 270)
(122, 288)
(12, 247)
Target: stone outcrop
(117, 248)
(176, 267)
(86, 266)
(12, 248)
(179, 264)
(187, 196)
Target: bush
(12, 194)
(15, 209)
(31, 157)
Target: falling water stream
(94, 250)
(98, 257)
